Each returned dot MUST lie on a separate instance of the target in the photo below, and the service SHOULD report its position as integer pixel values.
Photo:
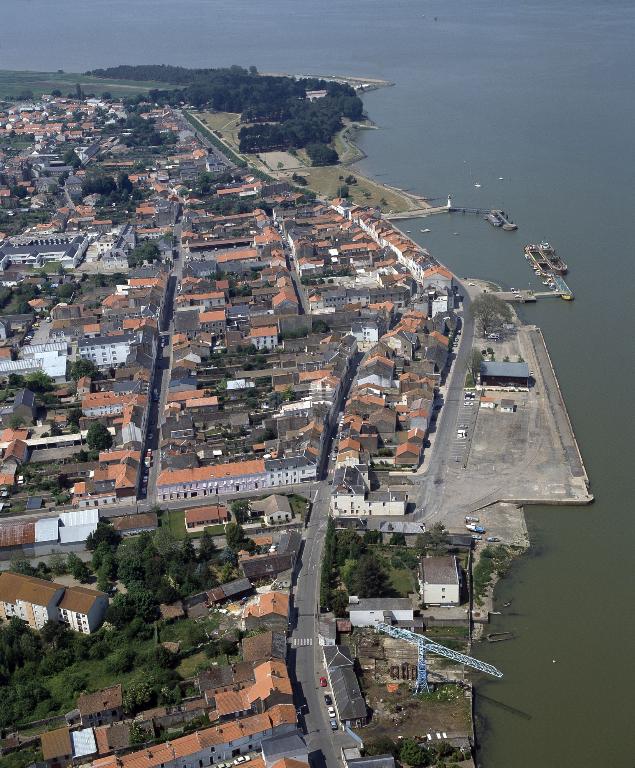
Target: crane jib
(430, 646)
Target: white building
(37, 601)
(106, 351)
(77, 525)
(50, 358)
(440, 580)
(265, 337)
(351, 497)
(380, 610)
(82, 609)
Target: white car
(331, 711)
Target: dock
(416, 213)
(524, 297)
(498, 218)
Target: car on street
(327, 699)
(333, 725)
(331, 711)
(323, 682)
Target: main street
(305, 652)
(161, 378)
(431, 484)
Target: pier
(417, 213)
(524, 297)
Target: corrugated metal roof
(46, 529)
(83, 742)
(79, 517)
(73, 533)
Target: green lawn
(299, 505)
(175, 520)
(402, 580)
(15, 82)
(190, 633)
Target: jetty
(498, 218)
(417, 213)
(526, 296)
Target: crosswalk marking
(298, 641)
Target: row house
(211, 745)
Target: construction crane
(424, 646)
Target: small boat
(426, 230)
(477, 185)
(500, 178)
(455, 233)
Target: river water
(540, 93)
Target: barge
(545, 258)
(498, 218)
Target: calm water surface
(541, 94)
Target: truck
(475, 528)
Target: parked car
(323, 682)
(333, 725)
(492, 538)
(328, 700)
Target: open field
(281, 161)
(15, 82)
(227, 124)
(325, 181)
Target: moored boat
(544, 257)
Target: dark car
(328, 700)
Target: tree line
(281, 115)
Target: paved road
(432, 482)
(161, 378)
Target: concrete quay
(511, 459)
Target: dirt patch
(280, 161)
(447, 710)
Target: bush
(321, 154)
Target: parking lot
(40, 335)
(500, 438)
(465, 424)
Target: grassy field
(225, 123)
(15, 82)
(175, 520)
(325, 181)
(402, 581)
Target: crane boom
(424, 645)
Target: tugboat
(544, 257)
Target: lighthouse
(449, 202)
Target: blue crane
(424, 645)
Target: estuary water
(534, 101)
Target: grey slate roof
(349, 701)
(519, 370)
(338, 656)
(382, 604)
(284, 745)
(375, 761)
(440, 570)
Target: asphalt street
(431, 484)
